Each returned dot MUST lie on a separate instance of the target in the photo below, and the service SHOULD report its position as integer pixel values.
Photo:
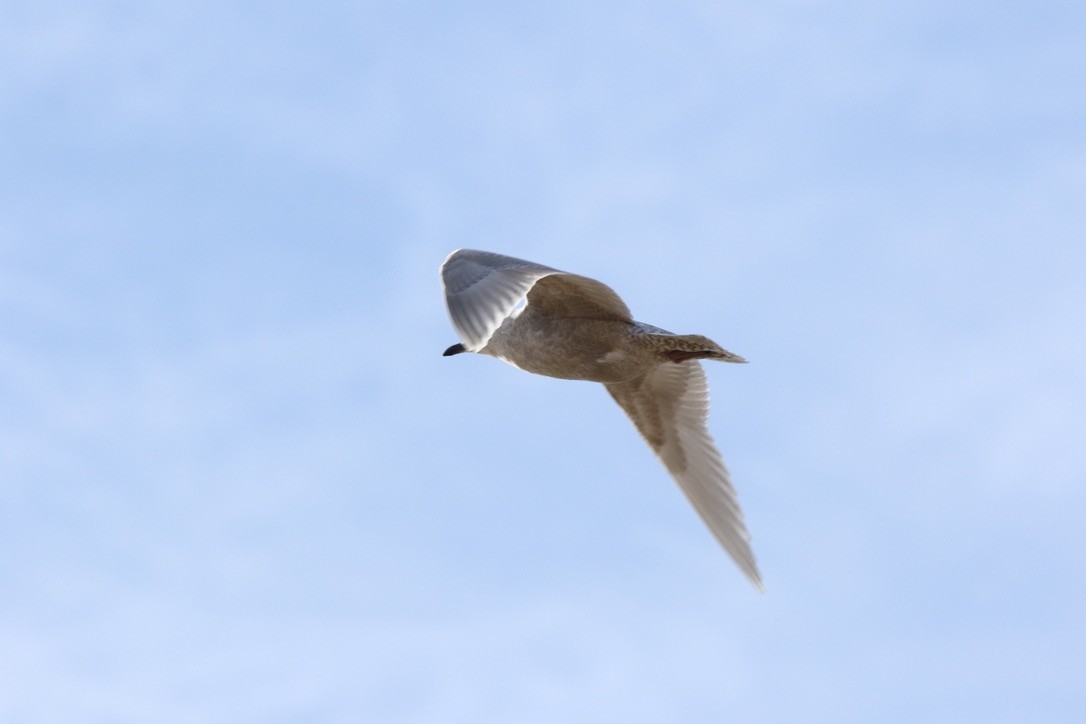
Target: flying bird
(564, 325)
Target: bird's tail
(683, 347)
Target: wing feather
(482, 289)
(670, 407)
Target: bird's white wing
(670, 407)
(483, 288)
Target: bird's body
(598, 350)
(573, 327)
(570, 349)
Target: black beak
(455, 349)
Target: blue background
(238, 482)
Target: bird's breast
(598, 350)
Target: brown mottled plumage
(573, 327)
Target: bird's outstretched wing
(483, 288)
(670, 406)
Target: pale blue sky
(238, 482)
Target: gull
(550, 322)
